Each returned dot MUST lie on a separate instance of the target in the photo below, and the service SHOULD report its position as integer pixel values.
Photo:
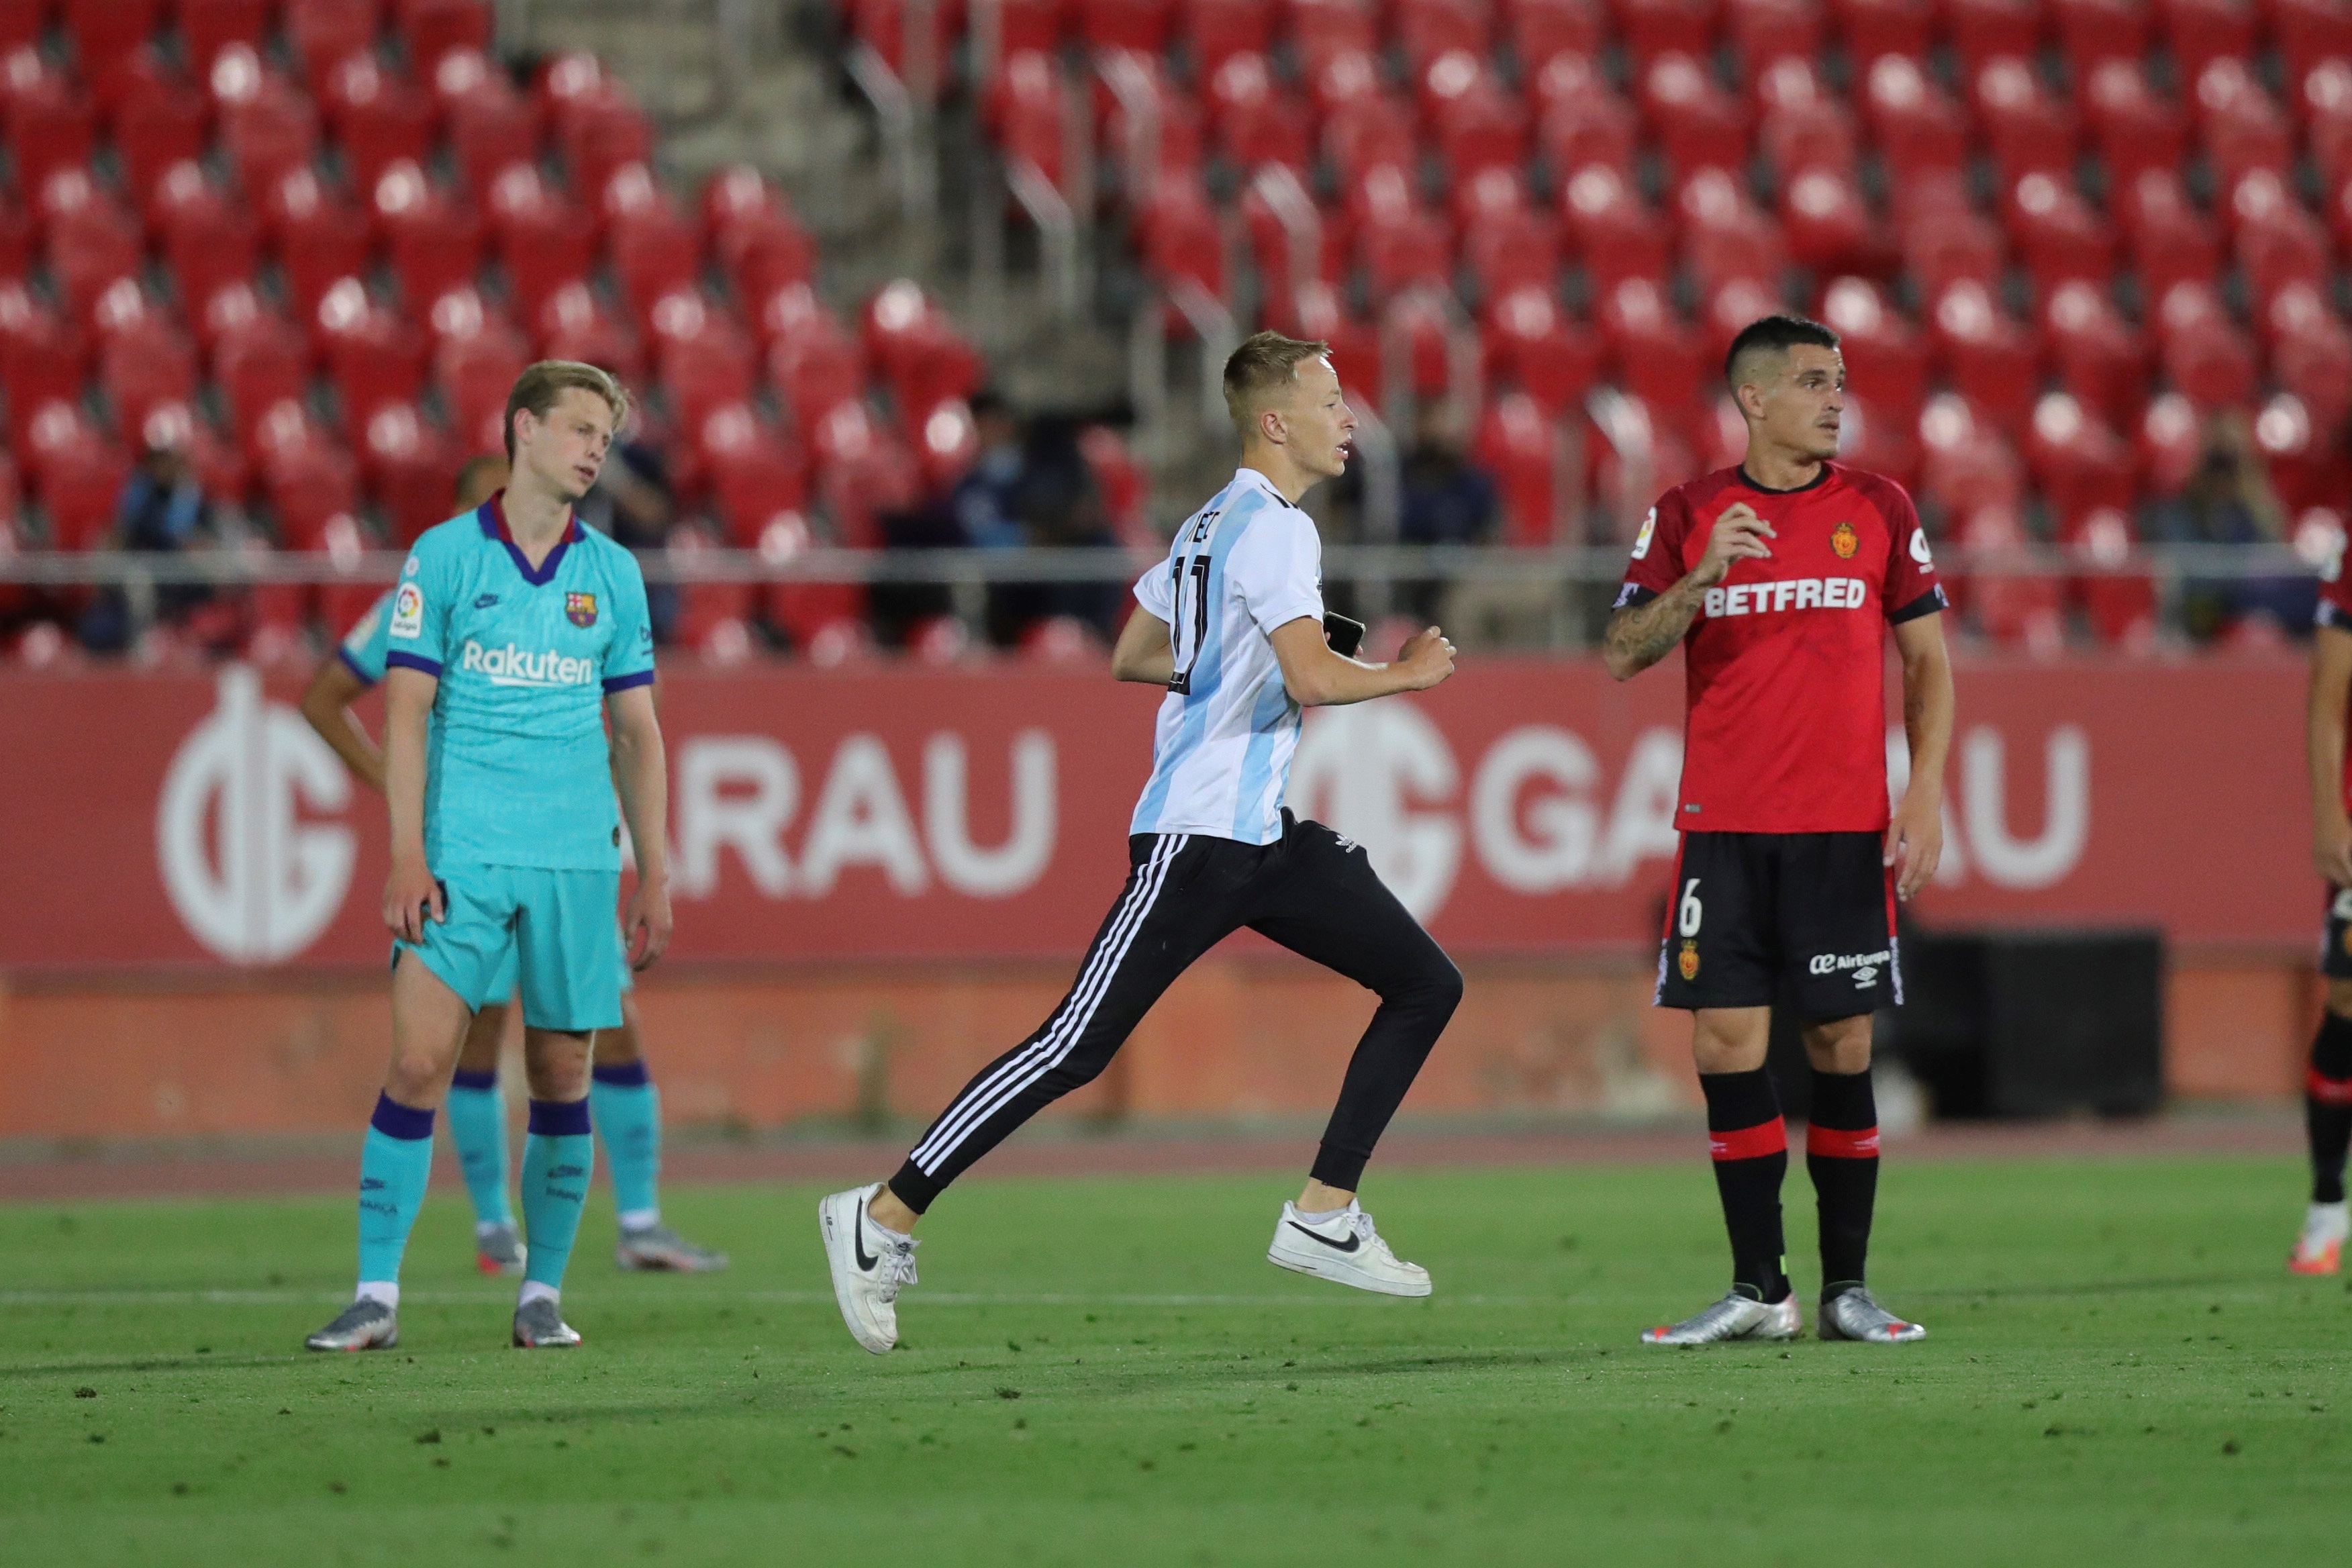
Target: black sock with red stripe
(1750, 1146)
(1842, 1156)
(2327, 1107)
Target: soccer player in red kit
(2327, 1092)
(1777, 577)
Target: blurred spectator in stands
(479, 479)
(2229, 500)
(1062, 508)
(634, 503)
(162, 511)
(985, 504)
(1446, 499)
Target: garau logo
(510, 666)
(250, 878)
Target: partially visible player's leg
(429, 1018)
(626, 1108)
(1182, 895)
(2328, 1116)
(478, 1127)
(1327, 904)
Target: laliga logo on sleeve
(250, 879)
(1919, 549)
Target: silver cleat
(1736, 1317)
(539, 1325)
(364, 1325)
(1851, 1314)
(659, 1246)
(499, 1250)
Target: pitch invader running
(1778, 578)
(1232, 628)
(513, 633)
(623, 1103)
(2328, 1086)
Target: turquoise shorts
(553, 931)
(503, 985)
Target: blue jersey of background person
(517, 768)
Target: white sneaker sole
(1339, 1271)
(835, 1216)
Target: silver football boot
(364, 1325)
(657, 1246)
(1736, 1317)
(1851, 1314)
(539, 1325)
(498, 1249)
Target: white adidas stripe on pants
(984, 1099)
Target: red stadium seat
(2240, 125)
(1404, 248)
(2325, 106)
(1876, 28)
(915, 348)
(2132, 127)
(411, 467)
(1655, 28)
(491, 126)
(155, 130)
(379, 118)
(600, 135)
(310, 482)
(1724, 236)
(2199, 32)
(2168, 238)
(1942, 248)
(106, 34)
(1370, 133)
(1517, 445)
(434, 28)
(2204, 355)
(1966, 464)
(90, 247)
(1139, 24)
(1429, 29)
(1256, 123)
(1216, 30)
(1884, 361)
(2058, 234)
(1766, 31)
(2092, 32)
(208, 25)
(1531, 342)
(2277, 241)
(475, 375)
(1617, 233)
(2076, 458)
(1992, 358)
(318, 236)
(1511, 249)
(1542, 29)
(2098, 356)
(2032, 130)
(1700, 125)
(435, 243)
(1804, 125)
(208, 239)
(269, 135)
(42, 357)
(324, 33)
(372, 355)
(81, 482)
(1829, 225)
(1583, 120)
(1478, 122)
(260, 364)
(706, 369)
(1659, 358)
(1182, 238)
(1322, 28)
(817, 370)
(542, 241)
(573, 325)
(1918, 127)
(2315, 367)
(756, 473)
(1983, 31)
(50, 126)
(2309, 31)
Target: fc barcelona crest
(1689, 963)
(1845, 541)
(580, 609)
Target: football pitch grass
(1106, 1371)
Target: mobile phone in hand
(1344, 635)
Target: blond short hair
(1264, 362)
(542, 386)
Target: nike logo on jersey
(1353, 1241)
(509, 665)
(1789, 593)
(486, 600)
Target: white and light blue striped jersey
(1243, 564)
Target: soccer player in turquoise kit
(513, 631)
(623, 1103)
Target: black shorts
(2336, 952)
(1760, 918)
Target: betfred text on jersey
(510, 666)
(1789, 593)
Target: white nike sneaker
(1736, 1317)
(2320, 1248)
(869, 1266)
(1344, 1248)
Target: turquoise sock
(628, 1115)
(478, 1126)
(557, 1157)
(395, 1166)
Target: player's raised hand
(1739, 535)
(647, 925)
(411, 895)
(1428, 656)
(1915, 844)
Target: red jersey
(1786, 663)
(2336, 610)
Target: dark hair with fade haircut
(1774, 334)
(543, 386)
(1263, 362)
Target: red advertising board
(159, 821)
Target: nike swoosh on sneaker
(1350, 1245)
(857, 1240)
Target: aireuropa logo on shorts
(1863, 967)
(510, 666)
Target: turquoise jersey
(517, 768)
(362, 647)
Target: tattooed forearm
(1641, 635)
